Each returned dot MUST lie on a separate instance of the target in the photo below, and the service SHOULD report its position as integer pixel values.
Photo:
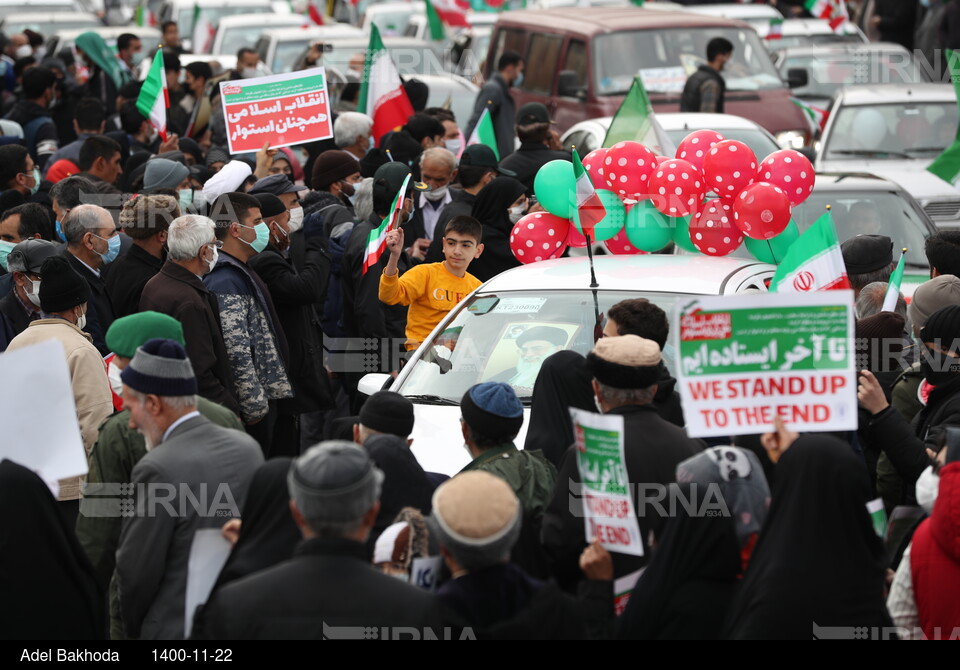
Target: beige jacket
(91, 389)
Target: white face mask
(296, 219)
(928, 484)
(82, 321)
(213, 261)
(113, 374)
(33, 292)
(24, 50)
(453, 146)
(436, 194)
(516, 213)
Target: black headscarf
(48, 587)
(490, 209)
(818, 562)
(563, 382)
(268, 533)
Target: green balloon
(774, 249)
(681, 233)
(647, 228)
(612, 222)
(555, 188)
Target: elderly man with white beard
(534, 345)
(194, 476)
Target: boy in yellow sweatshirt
(432, 289)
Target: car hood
(438, 441)
(912, 176)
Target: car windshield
(757, 140)
(506, 336)
(898, 131)
(240, 36)
(664, 59)
(214, 14)
(829, 72)
(287, 53)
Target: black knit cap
(270, 205)
(867, 253)
(388, 412)
(943, 327)
(62, 287)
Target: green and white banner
(743, 360)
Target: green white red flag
(893, 287)
(382, 96)
(589, 209)
(377, 239)
(154, 100)
(813, 262)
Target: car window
(892, 131)
(576, 61)
(541, 63)
(505, 338)
(508, 39)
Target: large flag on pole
(441, 13)
(813, 262)
(893, 287)
(635, 120)
(947, 164)
(382, 96)
(154, 100)
(589, 208)
(203, 31)
(483, 132)
(377, 239)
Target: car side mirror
(373, 382)
(797, 77)
(569, 87)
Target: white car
(809, 32)
(183, 11)
(475, 342)
(758, 16)
(896, 131)
(391, 18)
(588, 135)
(47, 23)
(281, 48)
(243, 30)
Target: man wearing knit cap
(167, 174)
(906, 443)
(335, 176)
(295, 293)
(119, 447)
(194, 475)
(63, 301)
(868, 258)
(145, 218)
(384, 413)
(476, 520)
(329, 585)
(492, 415)
(625, 372)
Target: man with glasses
(534, 345)
(177, 290)
(438, 169)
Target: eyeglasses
(216, 243)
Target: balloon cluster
(713, 196)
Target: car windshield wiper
(868, 152)
(432, 400)
(925, 149)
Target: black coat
(294, 295)
(99, 309)
(328, 590)
(180, 293)
(16, 315)
(528, 159)
(898, 19)
(653, 448)
(127, 277)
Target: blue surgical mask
(186, 198)
(263, 236)
(113, 249)
(518, 81)
(36, 181)
(138, 57)
(63, 238)
(371, 143)
(5, 249)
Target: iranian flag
(377, 239)
(314, 13)
(893, 287)
(442, 13)
(834, 11)
(483, 132)
(947, 165)
(590, 210)
(635, 120)
(775, 31)
(154, 100)
(203, 31)
(813, 262)
(816, 116)
(382, 97)
(143, 17)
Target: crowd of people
(194, 294)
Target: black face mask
(938, 368)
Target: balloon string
(772, 255)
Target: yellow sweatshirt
(431, 291)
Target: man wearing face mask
(92, 242)
(335, 175)
(495, 96)
(129, 52)
(255, 341)
(32, 113)
(295, 292)
(63, 301)
(351, 133)
(438, 169)
(145, 218)
(21, 306)
(247, 62)
(19, 173)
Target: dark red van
(581, 61)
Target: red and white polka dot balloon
(593, 163)
(712, 230)
(619, 244)
(677, 187)
(729, 167)
(539, 236)
(575, 238)
(627, 168)
(695, 146)
(762, 211)
(791, 171)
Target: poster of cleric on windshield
(743, 360)
(281, 109)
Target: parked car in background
(391, 18)
(810, 32)
(182, 11)
(411, 56)
(63, 39)
(47, 23)
(895, 131)
(588, 135)
(243, 30)
(758, 16)
(476, 341)
(581, 62)
(281, 48)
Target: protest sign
(743, 360)
(209, 552)
(608, 510)
(282, 109)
